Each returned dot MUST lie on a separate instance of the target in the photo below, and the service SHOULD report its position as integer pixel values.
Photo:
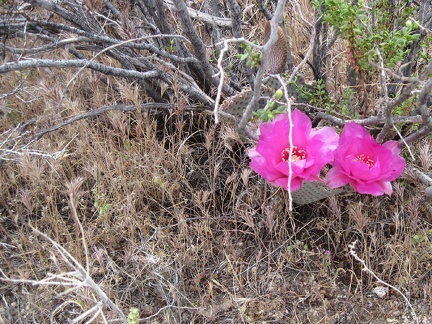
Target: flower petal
(363, 163)
(314, 149)
(336, 178)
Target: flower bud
(278, 94)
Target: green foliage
(423, 237)
(171, 46)
(345, 103)
(6, 4)
(101, 204)
(371, 28)
(318, 96)
(104, 208)
(12, 114)
(425, 45)
(302, 91)
(252, 57)
(271, 109)
(269, 113)
(133, 316)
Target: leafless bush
(168, 48)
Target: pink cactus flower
(312, 149)
(363, 163)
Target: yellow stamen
(297, 154)
(361, 157)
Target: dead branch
(129, 47)
(98, 111)
(210, 19)
(199, 47)
(36, 63)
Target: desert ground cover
(124, 200)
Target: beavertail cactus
(278, 52)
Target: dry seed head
(278, 54)
(424, 155)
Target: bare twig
(98, 111)
(221, 73)
(290, 140)
(352, 251)
(384, 97)
(209, 19)
(370, 121)
(35, 63)
(199, 46)
(91, 39)
(235, 18)
(410, 88)
(425, 130)
(264, 9)
(422, 101)
(423, 178)
(45, 48)
(72, 262)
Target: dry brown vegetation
(157, 209)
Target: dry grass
(175, 224)
(163, 213)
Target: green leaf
(244, 56)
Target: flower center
(361, 157)
(296, 155)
